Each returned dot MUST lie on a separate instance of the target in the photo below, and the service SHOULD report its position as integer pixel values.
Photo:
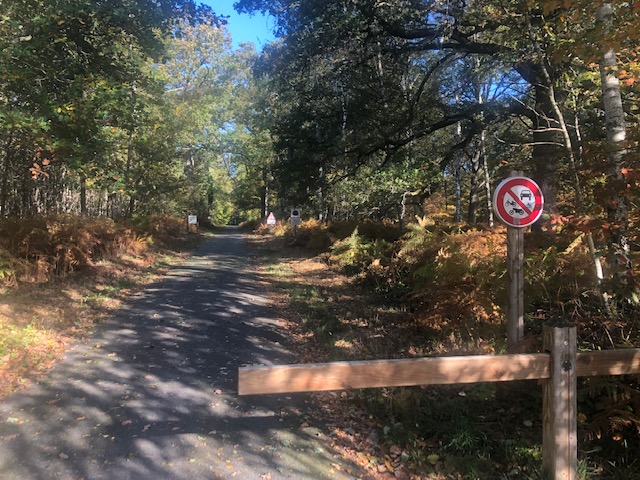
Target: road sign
(295, 216)
(192, 219)
(271, 219)
(518, 202)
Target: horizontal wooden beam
(608, 362)
(317, 377)
(391, 373)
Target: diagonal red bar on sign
(520, 202)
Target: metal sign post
(295, 220)
(192, 220)
(518, 203)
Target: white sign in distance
(271, 219)
(518, 202)
(295, 216)
(192, 219)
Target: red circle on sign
(518, 201)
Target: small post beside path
(192, 223)
(515, 287)
(295, 220)
(518, 203)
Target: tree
(59, 60)
(198, 78)
(355, 86)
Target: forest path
(152, 394)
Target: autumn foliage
(440, 289)
(39, 249)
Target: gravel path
(152, 395)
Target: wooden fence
(559, 369)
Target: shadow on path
(152, 394)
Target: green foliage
(466, 439)
(561, 280)
(357, 252)
(88, 104)
(609, 409)
(7, 266)
(460, 271)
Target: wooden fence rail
(315, 377)
(558, 369)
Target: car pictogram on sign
(525, 193)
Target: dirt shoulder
(38, 321)
(329, 317)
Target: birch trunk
(617, 137)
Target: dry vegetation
(369, 291)
(60, 275)
(355, 291)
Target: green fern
(417, 241)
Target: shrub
(372, 230)
(313, 235)
(356, 253)
(255, 226)
(35, 250)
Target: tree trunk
(554, 118)
(474, 189)
(611, 97)
(320, 197)
(487, 181)
(129, 175)
(83, 195)
(403, 209)
(4, 186)
(616, 136)
(132, 206)
(547, 147)
(26, 203)
(458, 179)
(485, 167)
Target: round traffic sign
(518, 201)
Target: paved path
(152, 395)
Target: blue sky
(243, 28)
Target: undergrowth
(43, 248)
(450, 280)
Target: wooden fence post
(515, 287)
(559, 429)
